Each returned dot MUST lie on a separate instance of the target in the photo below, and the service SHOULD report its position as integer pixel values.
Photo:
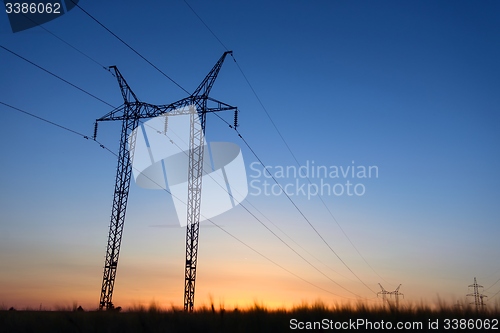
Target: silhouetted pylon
(396, 294)
(478, 297)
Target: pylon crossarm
(147, 111)
(115, 114)
(219, 106)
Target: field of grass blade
(258, 318)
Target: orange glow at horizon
(244, 288)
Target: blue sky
(411, 88)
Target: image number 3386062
(25, 15)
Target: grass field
(256, 319)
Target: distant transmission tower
(130, 113)
(478, 297)
(396, 294)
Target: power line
(79, 51)
(57, 125)
(231, 126)
(498, 292)
(45, 120)
(303, 215)
(130, 47)
(206, 26)
(291, 248)
(258, 220)
(284, 141)
(309, 180)
(55, 75)
(492, 285)
(275, 263)
(299, 210)
(70, 45)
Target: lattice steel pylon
(130, 113)
(395, 292)
(478, 297)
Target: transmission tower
(130, 113)
(478, 297)
(395, 292)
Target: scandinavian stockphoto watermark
(160, 160)
(310, 179)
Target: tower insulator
(235, 118)
(95, 130)
(166, 125)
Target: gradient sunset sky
(410, 88)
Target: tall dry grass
(214, 318)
